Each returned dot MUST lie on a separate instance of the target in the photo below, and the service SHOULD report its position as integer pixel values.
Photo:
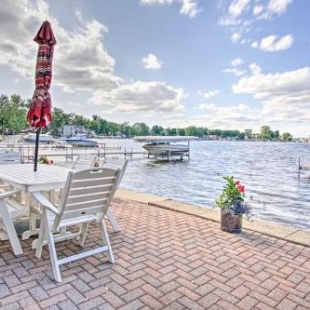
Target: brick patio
(164, 260)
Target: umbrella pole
(36, 150)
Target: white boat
(164, 149)
(43, 138)
(83, 142)
(166, 146)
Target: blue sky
(227, 64)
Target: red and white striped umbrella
(39, 114)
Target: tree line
(13, 111)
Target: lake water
(268, 170)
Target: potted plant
(43, 159)
(233, 206)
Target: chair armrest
(9, 193)
(45, 202)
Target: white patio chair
(84, 161)
(85, 198)
(10, 209)
(10, 157)
(114, 163)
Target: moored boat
(43, 138)
(166, 147)
(82, 142)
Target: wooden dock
(68, 152)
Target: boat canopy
(164, 139)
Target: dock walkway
(164, 260)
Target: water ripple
(268, 170)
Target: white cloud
(255, 69)
(148, 97)
(151, 62)
(271, 9)
(237, 7)
(207, 106)
(270, 85)
(237, 62)
(235, 37)
(273, 43)
(234, 71)
(255, 44)
(188, 7)
(277, 7)
(238, 116)
(257, 10)
(81, 61)
(209, 94)
(285, 96)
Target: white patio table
(23, 177)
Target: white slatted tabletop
(22, 176)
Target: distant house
(72, 130)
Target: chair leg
(83, 234)
(52, 250)
(10, 229)
(113, 220)
(106, 240)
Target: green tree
(286, 136)
(248, 133)
(265, 133)
(141, 129)
(181, 132)
(157, 130)
(191, 131)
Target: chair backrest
(10, 157)
(84, 161)
(89, 191)
(115, 163)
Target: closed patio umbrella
(39, 114)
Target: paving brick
(151, 302)
(240, 292)
(4, 291)
(13, 298)
(29, 303)
(226, 296)
(12, 306)
(54, 300)
(38, 293)
(262, 306)
(287, 304)
(132, 295)
(67, 305)
(81, 286)
(247, 303)
(75, 296)
(208, 300)
(92, 303)
(262, 298)
(134, 305)
(189, 304)
(164, 260)
(11, 280)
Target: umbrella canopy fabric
(39, 114)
